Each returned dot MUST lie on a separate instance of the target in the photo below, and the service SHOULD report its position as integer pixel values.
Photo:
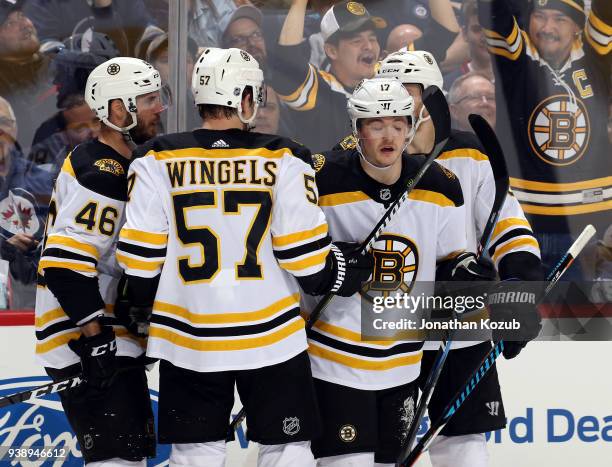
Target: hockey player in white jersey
(76, 329)
(227, 220)
(515, 254)
(367, 389)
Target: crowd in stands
(537, 70)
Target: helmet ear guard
(220, 77)
(123, 78)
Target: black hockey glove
(133, 308)
(97, 357)
(512, 304)
(351, 268)
(465, 268)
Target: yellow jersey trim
(305, 263)
(343, 198)
(226, 345)
(507, 223)
(465, 153)
(284, 240)
(559, 187)
(228, 317)
(191, 153)
(60, 240)
(360, 364)
(144, 237)
(430, 197)
(518, 243)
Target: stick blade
(582, 240)
(436, 105)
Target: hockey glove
(97, 357)
(351, 268)
(132, 309)
(512, 304)
(465, 268)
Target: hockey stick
(488, 361)
(55, 387)
(40, 391)
(493, 150)
(435, 103)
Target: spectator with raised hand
(435, 19)
(207, 20)
(123, 20)
(470, 50)
(22, 186)
(555, 79)
(472, 93)
(317, 97)
(24, 72)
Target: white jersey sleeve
(142, 242)
(299, 230)
(82, 225)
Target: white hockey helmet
(411, 67)
(379, 97)
(122, 78)
(220, 76)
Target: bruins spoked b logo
(558, 131)
(347, 433)
(113, 69)
(396, 260)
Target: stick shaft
(488, 361)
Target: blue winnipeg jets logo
(42, 423)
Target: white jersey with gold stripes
(85, 215)
(421, 233)
(464, 156)
(228, 218)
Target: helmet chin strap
(248, 121)
(420, 120)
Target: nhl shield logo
(87, 442)
(385, 194)
(291, 426)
